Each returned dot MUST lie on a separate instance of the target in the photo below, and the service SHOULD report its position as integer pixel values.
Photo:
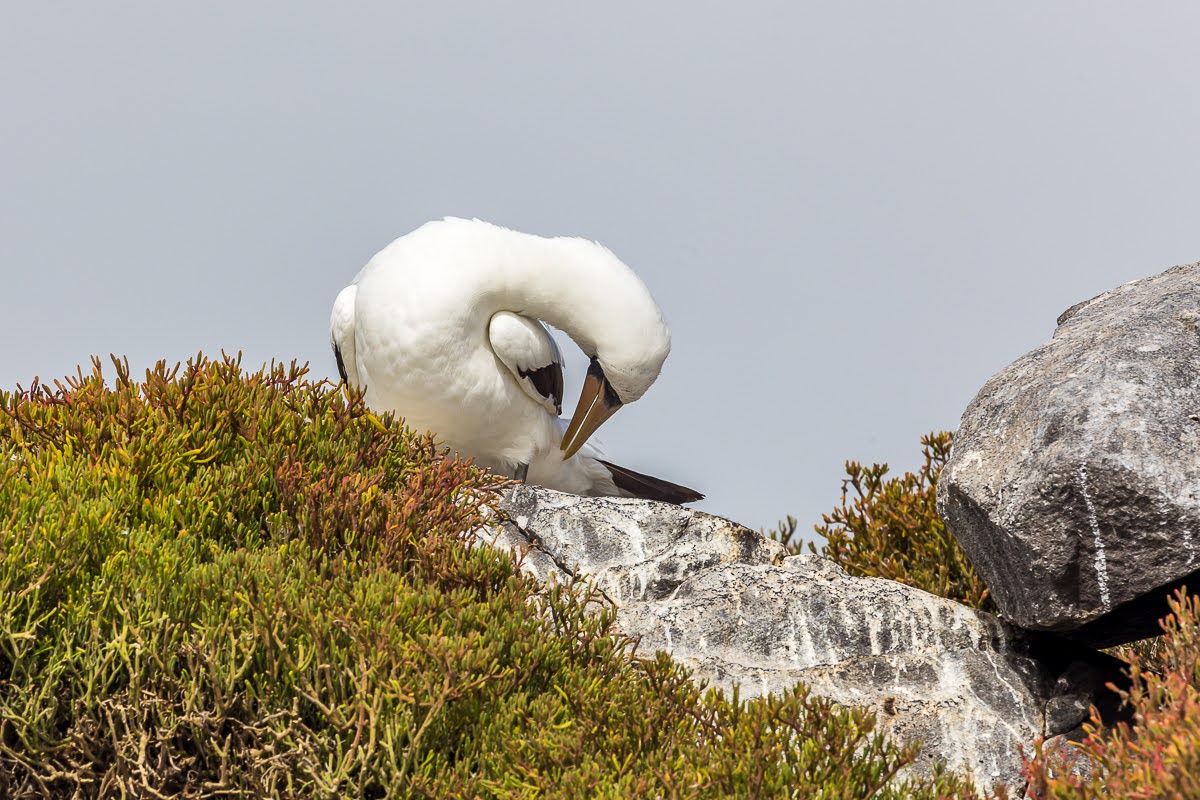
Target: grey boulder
(1074, 481)
(734, 608)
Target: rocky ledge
(732, 606)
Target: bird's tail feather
(650, 488)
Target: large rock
(1074, 481)
(933, 671)
(729, 604)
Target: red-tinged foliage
(1158, 755)
(225, 584)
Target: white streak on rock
(1100, 562)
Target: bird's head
(620, 372)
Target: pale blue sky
(852, 213)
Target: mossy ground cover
(216, 583)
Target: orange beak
(597, 402)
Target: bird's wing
(648, 487)
(528, 350)
(341, 334)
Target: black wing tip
(341, 365)
(647, 487)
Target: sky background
(852, 213)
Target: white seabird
(443, 327)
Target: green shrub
(889, 528)
(221, 584)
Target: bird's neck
(580, 288)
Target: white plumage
(444, 328)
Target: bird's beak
(597, 402)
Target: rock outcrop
(733, 607)
(1074, 482)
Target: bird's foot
(522, 472)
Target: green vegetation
(221, 584)
(889, 528)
